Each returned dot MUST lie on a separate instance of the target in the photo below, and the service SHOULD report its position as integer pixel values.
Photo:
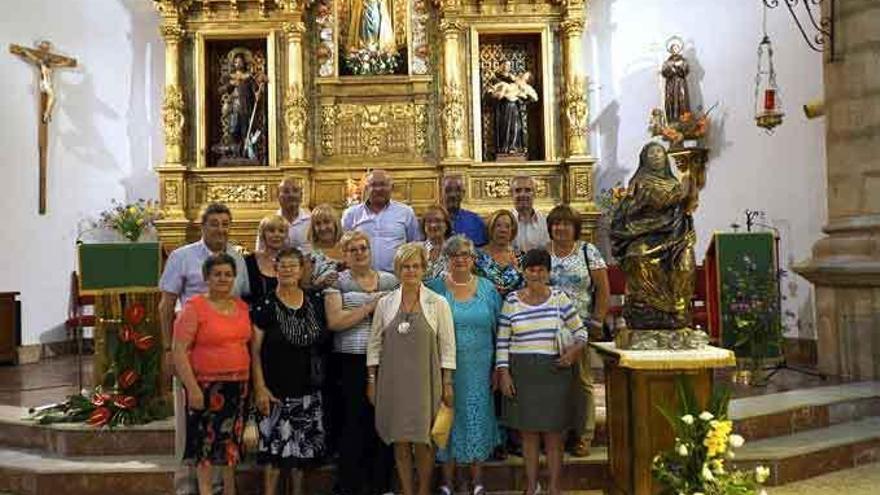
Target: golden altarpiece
(326, 89)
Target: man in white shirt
(387, 222)
(290, 196)
(531, 224)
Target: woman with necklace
(497, 260)
(475, 307)
(326, 258)
(436, 227)
(261, 263)
(288, 328)
(536, 376)
(210, 352)
(365, 462)
(410, 366)
(577, 268)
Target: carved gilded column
(295, 102)
(453, 93)
(574, 95)
(173, 118)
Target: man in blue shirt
(464, 221)
(389, 224)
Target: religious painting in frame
(513, 81)
(236, 95)
(372, 37)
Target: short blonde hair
(493, 219)
(407, 252)
(325, 210)
(273, 221)
(351, 236)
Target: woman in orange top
(211, 357)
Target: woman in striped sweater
(535, 375)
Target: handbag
(250, 438)
(442, 426)
(564, 336)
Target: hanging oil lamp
(768, 104)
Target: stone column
(295, 102)
(172, 105)
(454, 121)
(845, 265)
(574, 95)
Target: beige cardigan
(437, 313)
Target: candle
(769, 99)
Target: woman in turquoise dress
(475, 306)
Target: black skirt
(213, 434)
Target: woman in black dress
(287, 374)
(261, 264)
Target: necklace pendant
(403, 327)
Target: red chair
(617, 288)
(699, 308)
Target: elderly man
(464, 222)
(531, 224)
(181, 280)
(290, 195)
(388, 223)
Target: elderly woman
(261, 263)
(536, 376)
(288, 325)
(436, 227)
(410, 366)
(497, 260)
(577, 268)
(365, 462)
(210, 352)
(326, 257)
(475, 307)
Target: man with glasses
(182, 279)
(531, 224)
(389, 224)
(464, 222)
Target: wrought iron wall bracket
(818, 32)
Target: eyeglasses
(411, 267)
(463, 254)
(359, 249)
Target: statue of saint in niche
(511, 95)
(675, 71)
(371, 26)
(242, 91)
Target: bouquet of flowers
(366, 62)
(689, 126)
(130, 220)
(129, 393)
(698, 463)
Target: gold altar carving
(422, 120)
(237, 193)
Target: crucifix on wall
(46, 61)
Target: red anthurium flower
(134, 314)
(99, 417)
(127, 378)
(126, 333)
(144, 342)
(100, 399)
(125, 401)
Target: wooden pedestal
(637, 382)
(10, 326)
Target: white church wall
(103, 140)
(105, 136)
(781, 174)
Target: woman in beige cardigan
(410, 363)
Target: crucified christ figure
(46, 61)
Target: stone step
(793, 411)
(35, 473)
(810, 453)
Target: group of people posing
(345, 334)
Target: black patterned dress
(292, 435)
